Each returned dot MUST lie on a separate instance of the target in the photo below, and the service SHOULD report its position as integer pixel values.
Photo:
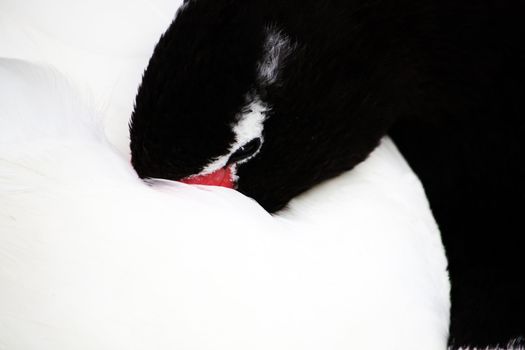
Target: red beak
(222, 177)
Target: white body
(92, 258)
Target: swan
(94, 258)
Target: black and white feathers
(445, 78)
(219, 59)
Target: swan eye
(245, 151)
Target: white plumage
(93, 258)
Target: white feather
(102, 46)
(92, 258)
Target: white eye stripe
(249, 126)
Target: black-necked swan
(273, 97)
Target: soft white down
(92, 258)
